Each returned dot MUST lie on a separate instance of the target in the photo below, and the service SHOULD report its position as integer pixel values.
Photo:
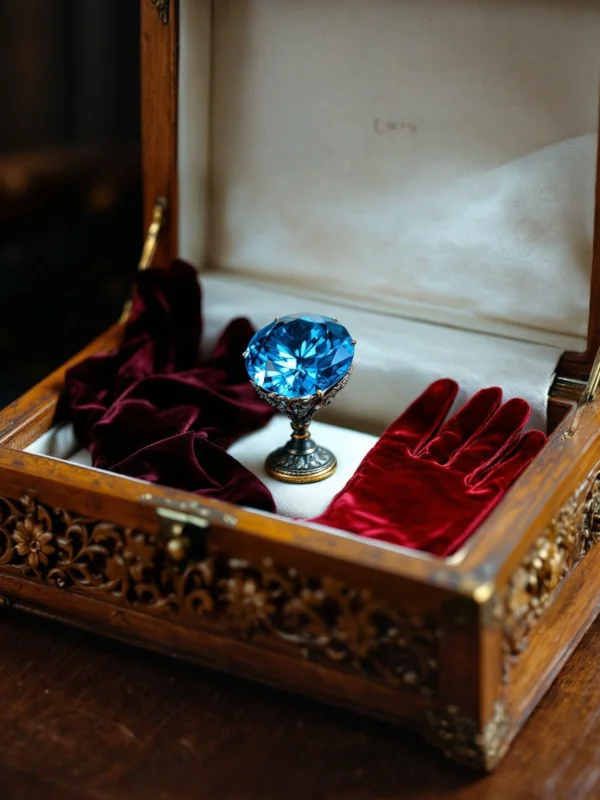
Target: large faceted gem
(298, 355)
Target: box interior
(429, 165)
(349, 427)
(421, 159)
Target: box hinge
(570, 389)
(162, 9)
(184, 525)
(577, 391)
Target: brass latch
(183, 537)
(183, 526)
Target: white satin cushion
(291, 500)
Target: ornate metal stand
(301, 460)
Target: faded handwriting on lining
(390, 125)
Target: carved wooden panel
(321, 617)
(561, 546)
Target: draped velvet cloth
(151, 410)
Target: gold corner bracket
(162, 8)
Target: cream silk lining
(431, 158)
(427, 164)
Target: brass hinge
(579, 391)
(567, 388)
(162, 7)
(151, 241)
(183, 526)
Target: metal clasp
(184, 525)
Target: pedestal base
(301, 461)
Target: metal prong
(276, 319)
(320, 393)
(245, 354)
(335, 319)
(353, 341)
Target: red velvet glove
(429, 485)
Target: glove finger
(496, 436)
(423, 417)
(507, 469)
(465, 424)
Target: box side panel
(548, 600)
(551, 600)
(269, 608)
(530, 672)
(244, 655)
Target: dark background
(70, 184)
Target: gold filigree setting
(323, 618)
(535, 584)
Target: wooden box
(299, 146)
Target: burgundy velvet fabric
(429, 485)
(150, 410)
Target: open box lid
(430, 139)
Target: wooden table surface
(82, 717)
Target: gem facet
(299, 355)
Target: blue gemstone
(297, 355)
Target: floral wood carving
(533, 587)
(162, 7)
(323, 618)
(461, 740)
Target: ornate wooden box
(290, 141)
